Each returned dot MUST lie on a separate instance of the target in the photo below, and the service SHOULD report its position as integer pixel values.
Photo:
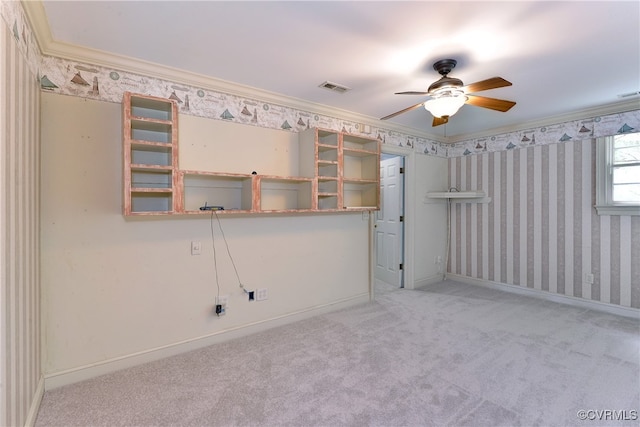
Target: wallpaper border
(14, 16)
(68, 77)
(88, 81)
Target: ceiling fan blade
(413, 107)
(492, 83)
(491, 103)
(412, 93)
(437, 121)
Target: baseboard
(562, 299)
(32, 415)
(81, 373)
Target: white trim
(617, 210)
(559, 298)
(92, 370)
(604, 205)
(409, 212)
(36, 400)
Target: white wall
(431, 219)
(116, 288)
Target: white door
(389, 226)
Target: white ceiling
(562, 57)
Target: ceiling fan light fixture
(446, 104)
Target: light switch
(196, 248)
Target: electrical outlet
(261, 294)
(222, 303)
(588, 278)
(196, 248)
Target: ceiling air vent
(334, 87)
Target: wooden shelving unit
(361, 172)
(347, 170)
(336, 171)
(150, 155)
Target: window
(618, 175)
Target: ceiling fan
(448, 94)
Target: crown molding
(35, 13)
(49, 47)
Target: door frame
(408, 272)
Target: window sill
(617, 210)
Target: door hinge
(401, 266)
(401, 218)
(401, 170)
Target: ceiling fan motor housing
(445, 82)
(444, 67)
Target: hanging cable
(224, 238)
(215, 261)
(228, 251)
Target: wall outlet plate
(261, 294)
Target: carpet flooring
(451, 354)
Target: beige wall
(20, 371)
(115, 287)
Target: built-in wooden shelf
(150, 143)
(332, 172)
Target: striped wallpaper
(20, 352)
(540, 229)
